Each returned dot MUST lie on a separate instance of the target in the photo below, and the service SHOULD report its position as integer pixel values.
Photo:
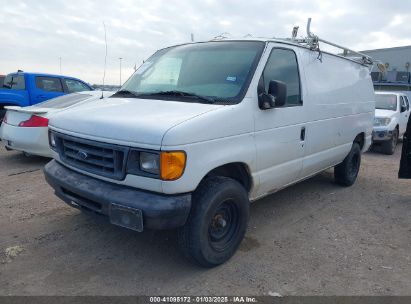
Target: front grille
(91, 156)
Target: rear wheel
(217, 222)
(346, 173)
(389, 146)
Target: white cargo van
(202, 129)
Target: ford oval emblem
(82, 155)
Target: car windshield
(202, 72)
(14, 82)
(386, 102)
(64, 101)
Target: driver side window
(282, 65)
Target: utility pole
(60, 64)
(120, 58)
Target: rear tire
(217, 222)
(346, 173)
(389, 146)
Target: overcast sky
(34, 34)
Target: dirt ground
(314, 238)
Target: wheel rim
(224, 225)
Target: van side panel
(340, 104)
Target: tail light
(35, 121)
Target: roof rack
(312, 41)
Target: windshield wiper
(180, 94)
(127, 93)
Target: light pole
(120, 58)
(60, 64)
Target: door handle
(302, 134)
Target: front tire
(346, 173)
(389, 146)
(217, 222)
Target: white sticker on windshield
(143, 67)
(231, 78)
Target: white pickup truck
(392, 111)
(203, 129)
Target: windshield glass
(220, 70)
(386, 102)
(14, 82)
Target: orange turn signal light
(172, 164)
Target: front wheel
(346, 173)
(217, 222)
(389, 146)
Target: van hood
(384, 113)
(130, 121)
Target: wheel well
(360, 139)
(236, 171)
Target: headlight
(52, 140)
(167, 165)
(144, 163)
(149, 162)
(381, 121)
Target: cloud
(34, 34)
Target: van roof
(294, 42)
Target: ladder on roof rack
(312, 41)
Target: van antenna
(105, 59)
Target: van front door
(280, 132)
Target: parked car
(202, 129)
(391, 116)
(25, 129)
(2, 80)
(26, 89)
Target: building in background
(397, 63)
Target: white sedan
(26, 129)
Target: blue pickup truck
(26, 89)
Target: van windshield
(386, 102)
(202, 72)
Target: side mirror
(403, 108)
(276, 96)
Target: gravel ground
(314, 238)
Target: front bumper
(381, 134)
(155, 211)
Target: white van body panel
(137, 121)
(338, 104)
